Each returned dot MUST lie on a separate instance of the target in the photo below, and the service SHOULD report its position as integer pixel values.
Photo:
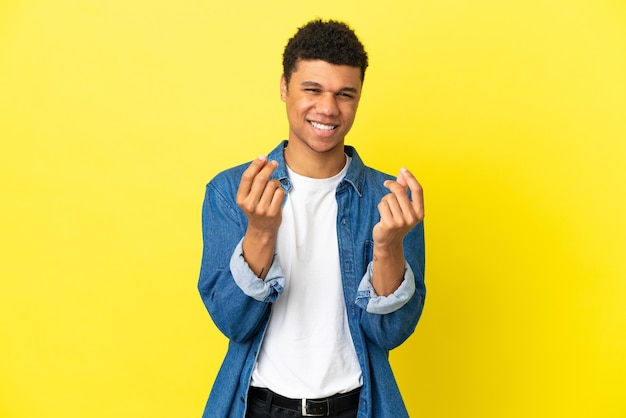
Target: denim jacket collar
(355, 176)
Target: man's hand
(398, 215)
(261, 200)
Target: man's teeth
(322, 126)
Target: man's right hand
(261, 200)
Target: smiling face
(321, 101)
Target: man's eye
(312, 90)
(346, 95)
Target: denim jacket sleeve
(236, 314)
(372, 303)
(390, 320)
(267, 290)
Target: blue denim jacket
(240, 304)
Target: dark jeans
(258, 409)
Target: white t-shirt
(307, 351)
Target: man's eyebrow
(315, 84)
(350, 89)
(310, 84)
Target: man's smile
(322, 126)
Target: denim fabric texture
(240, 304)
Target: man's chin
(324, 147)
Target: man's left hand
(398, 213)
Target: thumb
(401, 180)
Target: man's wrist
(261, 236)
(389, 250)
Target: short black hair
(331, 41)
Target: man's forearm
(258, 251)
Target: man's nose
(327, 105)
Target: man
(313, 264)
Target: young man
(313, 263)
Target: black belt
(311, 407)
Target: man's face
(321, 101)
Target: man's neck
(309, 163)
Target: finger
(396, 213)
(406, 209)
(248, 176)
(410, 180)
(384, 211)
(400, 179)
(261, 180)
(395, 187)
(417, 192)
(277, 200)
(267, 195)
(263, 177)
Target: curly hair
(331, 41)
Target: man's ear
(283, 88)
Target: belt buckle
(305, 413)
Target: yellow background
(114, 114)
